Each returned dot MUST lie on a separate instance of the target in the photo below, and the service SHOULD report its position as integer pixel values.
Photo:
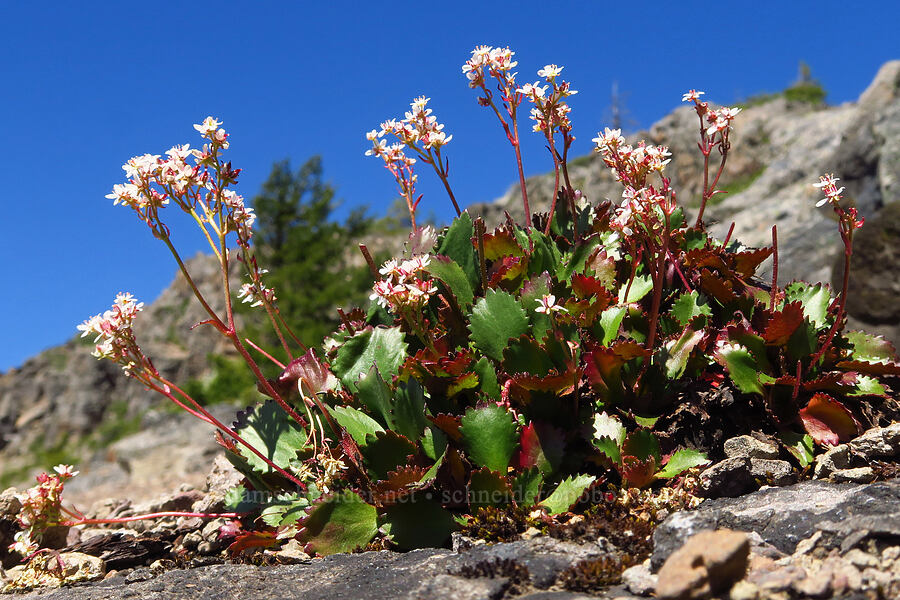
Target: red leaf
(448, 424)
(398, 485)
(507, 269)
(718, 288)
(500, 244)
(777, 327)
(310, 370)
(252, 539)
(636, 472)
(586, 286)
(747, 261)
(828, 421)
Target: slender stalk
(552, 149)
(156, 515)
(224, 428)
(774, 291)
(250, 343)
(443, 171)
(482, 263)
(518, 150)
(370, 261)
(190, 281)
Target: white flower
(550, 71)
(65, 471)
(548, 305)
(208, 127)
(692, 96)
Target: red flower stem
(370, 261)
(222, 427)
(658, 274)
(521, 171)
(513, 137)
(774, 291)
(552, 148)
(841, 314)
(157, 515)
(250, 343)
(687, 286)
(443, 172)
(479, 235)
(728, 237)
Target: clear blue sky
(87, 85)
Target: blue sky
(87, 85)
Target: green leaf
(573, 262)
(272, 432)
(680, 462)
(647, 422)
(610, 321)
(487, 376)
(418, 524)
(525, 355)
(457, 246)
(609, 448)
(545, 255)
(870, 348)
(694, 239)
(867, 386)
(800, 445)
(238, 499)
(640, 287)
(742, 369)
(488, 488)
(434, 443)
(567, 493)
(285, 511)
(533, 290)
(409, 409)
(678, 351)
(357, 423)
(608, 426)
(527, 486)
(687, 306)
(496, 319)
(814, 298)
(375, 394)
(641, 444)
(339, 523)
(382, 347)
(387, 451)
(452, 275)
(489, 434)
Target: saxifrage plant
(514, 367)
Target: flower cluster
(718, 121)
(418, 126)
(256, 294)
(113, 329)
(828, 185)
(848, 217)
(193, 179)
(420, 132)
(550, 111)
(401, 286)
(497, 61)
(631, 165)
(41, 509)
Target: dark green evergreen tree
(307, 252)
